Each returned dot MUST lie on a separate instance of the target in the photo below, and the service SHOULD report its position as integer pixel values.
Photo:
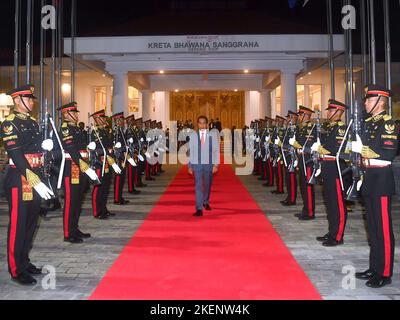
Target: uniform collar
(377, 117)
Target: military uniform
(379, 147)
(133, 151)
(101, 136)
(119, 146)
(76, 157)
(306, 137)
(333, 194)
(22, 141)
(290, 175)
(278, 164)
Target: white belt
(376, 162)
(83, 155)
(327, 157)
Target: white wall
(252, 106)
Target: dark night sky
(169, 17)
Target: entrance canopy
(205, 62)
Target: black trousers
(291, 185)
(119, 180)
(264, 171)
(334, 200)
(73, 194)
(138, 173)
(380, 231)
(279, 169)
(270, 173)
(132, 176)
(100, 193)
(306, 189)
(24, 215)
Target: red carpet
(231, 252)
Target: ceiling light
(246, 71)
(161, 71)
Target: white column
(273, 103)
(288, 92)
(307, 102)
(265, 103)
(120, 92)
(146, 105)
(252, 106)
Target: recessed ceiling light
(301, 78)
(309, 73)
(235, 90)
(176, 90)
(161, 71)
(246, 71)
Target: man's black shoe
(102, 216)
(121, 202)
(110, 214)
(298, 215)
(323, 238)
(332, 243)
(32, 269)
(198, 213)
(306, 218)
(135, 191)
(378, 282)
(365, 275)
(25, 279)
(207, 207)
(141, 185)
(80, 234)
(73, 240)
(288, 204)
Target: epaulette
(341, 123)
(368, 119)
(33, 118)
(10, 117)
(21, 116)
(387, 117)
(64, 125)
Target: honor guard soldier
(378, 147)
(306, 138)
(277, 163)
(121, 157)
(101, 147)
(162, 145)
(76, 168)
(269, 151)
(133, 151)
(333, 194)
(146, 142)
(141, 136)
(24, 186)
(290, 159)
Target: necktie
(203, 140)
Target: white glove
(160, 137)
(116, 168)
(257, 139)
(132, 162)
(141, 139)
(161, 149)
(267, 138)
(277, 140)
(117, 145)
(140, 157)
(356, 146)
(44, 191)
(156, 153)
(316, 145)
(47, 145)
(295, 163)
(359, 184)
(292, 140)
(148, 139)
(92, 174)
(318, 172)
(130, 140)
(147, 154)
(92, 146)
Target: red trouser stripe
(386, 235)
(339, 236)
(67, 206)
(94, 196)
(13, 231)
(130, 178)
(292, 177)
(309, 194)
(116, 194)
